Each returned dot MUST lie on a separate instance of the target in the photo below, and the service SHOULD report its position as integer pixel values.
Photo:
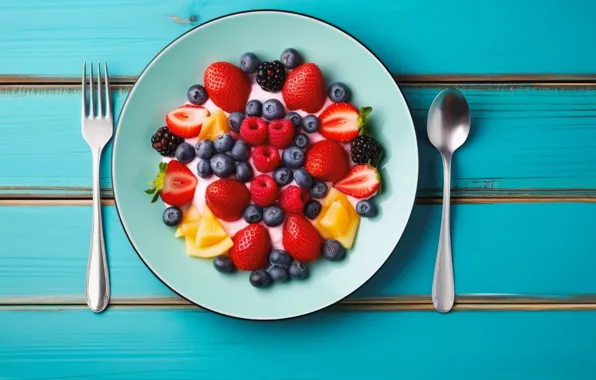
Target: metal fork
(97, 130)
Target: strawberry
(253, 130)
(175, 183)
(251, 247)
(327, 160)
(343, 122)
(266, 158)
(281, 133)
(264, 190)
(304, 88)
(227, 198)
(227, 86)
(301, 239)
(292, 199)
(361, 181)
(186, 121)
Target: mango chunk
(214, 125)
(337, 220)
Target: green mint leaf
(155, 198)
(150, 191)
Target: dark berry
(333, 250)
(295, 118)
(293, 157)
(303, 179)
(298, 270)
(204, 168)
(205, 149)
(283, 176)
(280, 258)
(240, 151)
(249, 63)
(366, 208)
(197, 95)
(271, 76)
(244, 172)
(310, 123)
(319, 189)
(224, 264)
(235, 120)
(312, 209)
(301, 140)
(172, 216)
(259, 278)
(254, 108)
(253, 213)
(278, 274)
(165, 142)
(222, 165)
(366, 149)
(338, 92)
(273, 109)
(273, 216)
(290, 58)
(223, 143)
(185, 153)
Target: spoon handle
(443, 292)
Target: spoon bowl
(448, 123)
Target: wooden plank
(525, 250)
(38, 37)
(524, 142)
(185, 344)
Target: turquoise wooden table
(523, 217)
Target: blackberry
(165, 142)
(366, 149)
(271, 76)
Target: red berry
(281, 133)
(266, 158)
(186, 121)
(327, 161)
(301, 239)
(228, 86)
(342, 121)
(253, 130)
(227, 198)
(361, 181)
(264, 190)
(304, 88)
(251, 247)
(178, 185)
(292, 199)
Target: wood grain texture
(185, 344)
(524, 142)
(499, 249)
(39, 37)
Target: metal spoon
(448, 126)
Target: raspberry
(264, 190)
(266, 158)
(293, 199)
(253, 130)
(281, 133)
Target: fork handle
(98, 277)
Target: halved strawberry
(186, 121)
(343, 122)
(361, 181)
(175, 183)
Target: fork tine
(99, 97)
(91, 101)
(106, 80)
(84, 91)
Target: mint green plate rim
(405, 211)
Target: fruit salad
(266, 168)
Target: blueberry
(312, 209)
(301, 140)
(293, 157)
(224, 264)
(298, 270)
(254, 108)
(333, 250)
(240, 151)
(366, 208)
(273, 216)
(204, 168)
(205, 149)
(222, 165)
(338, 92)
(295, 118)
(197, 95)
(273, 109)
(282, 176)
(235, 120)
(224, 143)
(244, 172)
(303, 179)
(253, 214)
(259, 278)
(249, 63)
(185, 153)
(319, 189)
(278, 274)
(172, 216)
(310, 123)
(290, 58)
(280, 258)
